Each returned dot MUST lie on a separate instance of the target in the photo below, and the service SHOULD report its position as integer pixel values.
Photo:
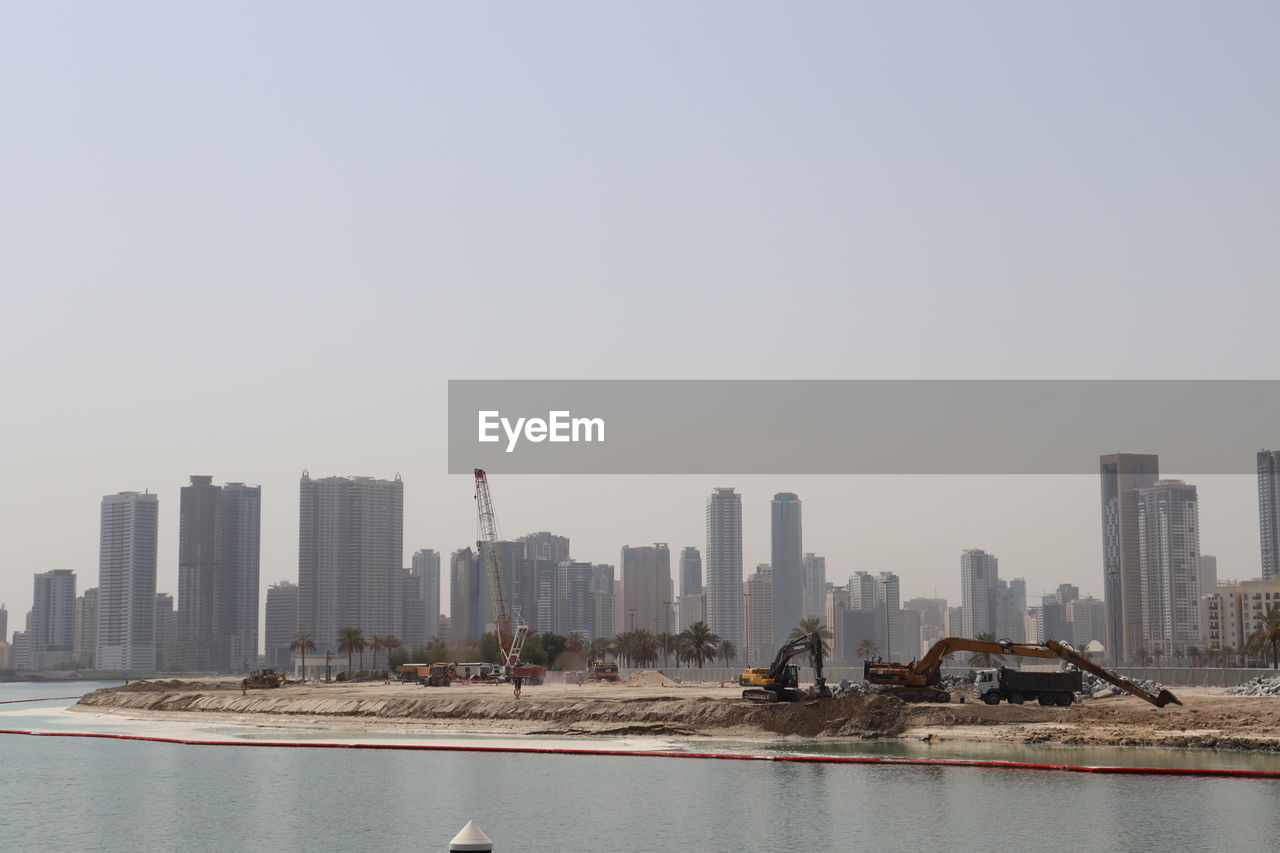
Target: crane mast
(510, 640)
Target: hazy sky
(245, 239)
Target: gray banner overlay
(858, 426)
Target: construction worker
(516, 682)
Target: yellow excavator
(920, 681)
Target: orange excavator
(920, 681)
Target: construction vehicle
(782, 680)
(598, 670)
(754, 676)
(263, 678)
(531, 673)
(920, 681)
(510, 639)
(428, 674)
(1017, 686)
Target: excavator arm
(779, 686)
(920, 680)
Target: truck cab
(987, 683)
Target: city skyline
(913, 584)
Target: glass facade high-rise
(53, 619)
(690, 571)
(787, 566)
(1122, 474)
(979, 572)
(1169, 557)
(724, 565)
(1269, 511)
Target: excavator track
(917, 694)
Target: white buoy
(471, 838)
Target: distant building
(758, 636)
(465, 583)
(4, 624)
(1122, 475)
(281, 624)
(693, 609)
(837, 602)
(1010, 603)
(546, 546)
(1087, 617)
(814, 572)
(1208, 574)
(1169, 557)
(604, 592)
(6, 655)
(166, 633)
(218, 557)
(420, 600)
(862, 591)
(787, 566)
(350, 557)
(576, 604)
(862, 635)
(900, 644)
(646, 588)
(86, 629)
(690, 571)
(127, 583)
(1235, 611)
(52, 627)
(979, 572)
(724, 564)
(1269, 511)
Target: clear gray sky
(244, 239)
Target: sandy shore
(655, 706)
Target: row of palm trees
(350, 640)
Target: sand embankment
(656, 706)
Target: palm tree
(599, 647)
(727, 652)
(1268, 636)
(698, 643)
(575, 642)
(391, 643)
(351, 640)
(985, 660)
(868, 650)
(806, 627)
(302, 642)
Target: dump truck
(921, 681)
(531, 673)
(1016, 686)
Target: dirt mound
(158, 686)
(845, 716)
(650, 678)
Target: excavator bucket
(1164, 697)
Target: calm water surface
(85, 794)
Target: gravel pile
(1257, 687)
(855, 688)
(1095, 688)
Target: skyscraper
(690, 571)
(787, 565)
(724, 564)
(52, 627)
(815, 586)
(1269, 511)
(1169, 557)
(465, 619)
(4, 624)
(166, 632)
(218, 555)
(979, 572)
(889, 602)
(86, 639)
(758, 636)
(350, 553)
(546, 546)
(646, 588)
(127, 582)
(281, 624)
(1122, 475)
(426, 574)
